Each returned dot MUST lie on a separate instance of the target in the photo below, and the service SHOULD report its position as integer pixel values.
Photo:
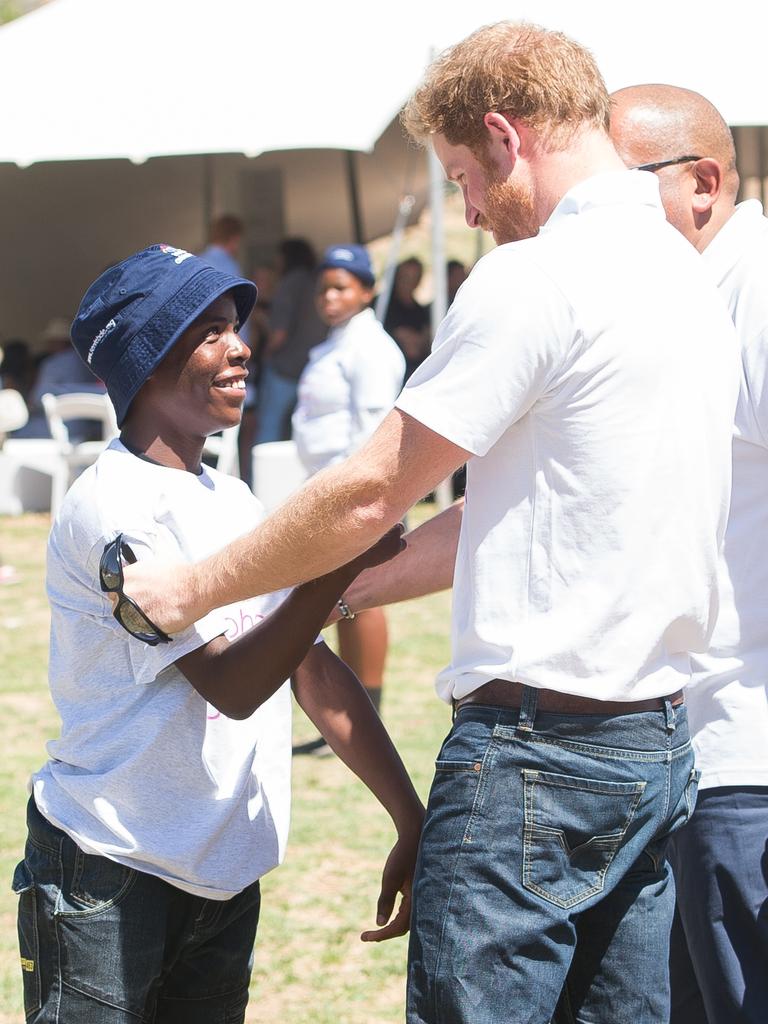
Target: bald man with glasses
(720, 938)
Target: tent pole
(354, 196)
(404, 209)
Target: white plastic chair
(72, 458)
(277, 472)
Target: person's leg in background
(687, 1005)
(720, 860)
(277, 399)
(363, 646)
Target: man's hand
(162, 590)
(397, 877)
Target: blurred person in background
(295, 328)
(61, 371)
(456, 274)
(348, 386)
(224, 249)
(265, 279)
(225, 240)
(406, 320)
(17, 367)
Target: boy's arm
(332, 697)
(425, 567)
(236, 678)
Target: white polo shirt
(347, 388)
(592, 371)
(728, 701)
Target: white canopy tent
(106, 81)
(96, 79)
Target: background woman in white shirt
(349, 384)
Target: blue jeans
(105, 944)
(542, 891)
(277, 400)
(719, 947)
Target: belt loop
(527, 714)
(669, 714)
(454, 704)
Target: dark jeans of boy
(719, 948)
(105, 944)
(542, 891)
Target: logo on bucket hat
(133, 314)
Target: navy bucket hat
(134, 313)
(353, 258)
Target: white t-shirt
(592, 371)
(347, 388)
(728, 699)
(145, 771)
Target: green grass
(311, 967)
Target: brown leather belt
(508, 694)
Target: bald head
(651, 123)
(658, 122)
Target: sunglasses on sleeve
(126, 611)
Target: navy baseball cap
(353, 258)
(134, 313)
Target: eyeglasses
(127, 612)
(665, 163)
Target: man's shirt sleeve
(498, 350)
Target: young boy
(166, 796)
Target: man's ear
(503, 138)
(708, 174)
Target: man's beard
(509, 212)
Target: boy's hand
(397, 877)
(391, 544)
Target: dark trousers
(105, 944)
(719, 949)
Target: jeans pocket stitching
(692, 786)
(482, 784)
(530, 829)
(102, 907)
(455, 766)
(504, 732)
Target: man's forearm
(425, 567)
(337, 515)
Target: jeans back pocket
(573, 829)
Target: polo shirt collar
(611, 188)
(746, 226)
